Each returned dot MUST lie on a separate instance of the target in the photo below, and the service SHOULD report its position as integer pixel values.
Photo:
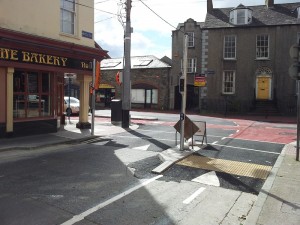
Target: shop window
(67, 16)
(32, 95)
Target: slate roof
(280, 14)
(137, 62)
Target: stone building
(150, 79)
(193, 29)
(247, 48)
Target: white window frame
(262, 50)
(227, 79)
(235, 16)
(68, 27)
(229, 51)
(191, 65)
(191, 39)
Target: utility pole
(126, 87)
(183, 94)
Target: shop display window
(32, 94)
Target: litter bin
(63, 119)
(116, 112)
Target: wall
(42, 18)
(2, 95)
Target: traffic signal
(294, 70)
(181, 85)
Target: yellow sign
(199, 81)
(105, 86)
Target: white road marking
(214, 143)
(193, 196)
(144, 148)
(82, 215)
(247, 149)
(209, 178)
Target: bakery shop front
(32, 71)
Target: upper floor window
(191, 40)
(241, 15)
(67, 16)
(298, 12)
(228, 84)
(262, 46)
(230, 47)
(191, 65)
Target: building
(194, 31)
(40, 43)
(150, 79)
(246, 50)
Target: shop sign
(21, 56)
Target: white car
(73, 106)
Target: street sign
(210, 72)
(199, 81)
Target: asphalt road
(110, 181)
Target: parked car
(71, 107)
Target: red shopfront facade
(32, 73)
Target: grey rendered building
(247, 47)
(193, 30)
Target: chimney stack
(269, 3)
(209, 5)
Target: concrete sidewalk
(278, 202)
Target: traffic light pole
(126, 101)
(183, 94)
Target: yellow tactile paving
(227, 166)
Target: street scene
(108, 178)
(121, 112)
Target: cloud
(152, 34)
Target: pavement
(278, 202)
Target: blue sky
(152, 35)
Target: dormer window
(241, 15)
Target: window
(191, 40)
(262, 46)
(241, 16)
(228, 82)
(32, 94)
(191, 67)
(230, 47)
(67, 16)
(298, 12)
(142, 96)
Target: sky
(151, 31)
